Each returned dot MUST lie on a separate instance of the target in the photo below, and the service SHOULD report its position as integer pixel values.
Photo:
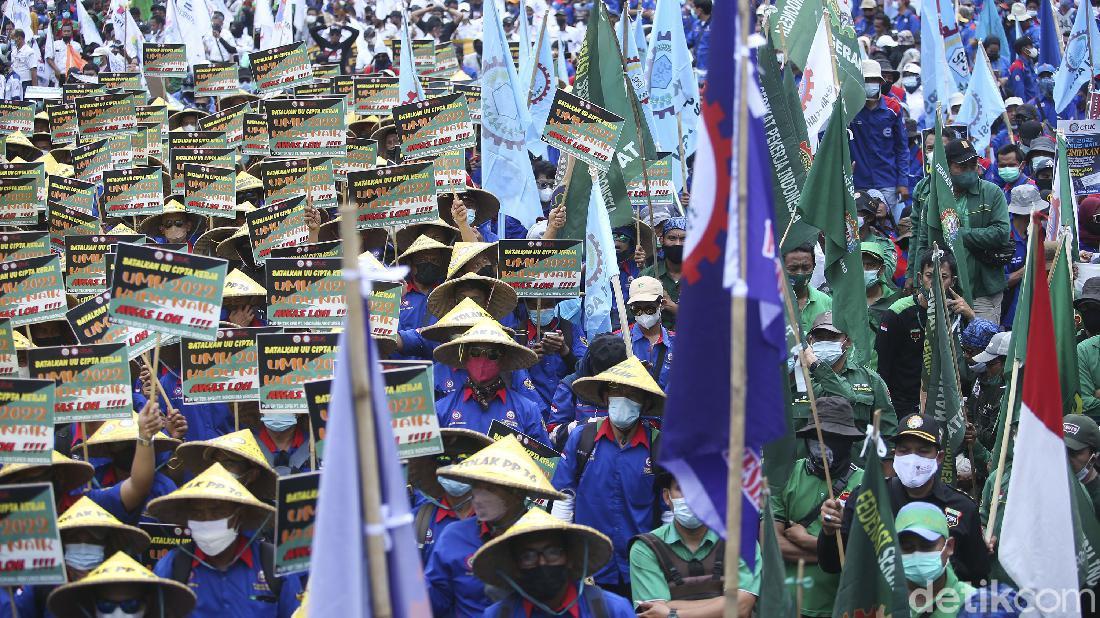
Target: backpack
(587, 444)
(181, 566)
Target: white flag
(818, 89)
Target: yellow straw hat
(214, 484)
(151, 225)
(491, 332)
(507, 464)
(208, 242)
(424, 243)
(631, 372)
(70, 473)
(408, 234)
(486, 205)
(456, 321)
(463, 252)
(21, 341)
(234, 99)
(239, 285)
(85, 513)
(502, 298)
(247, 182)
(165, 597)
(18, 144)
(121, 228)
(198, 456)
(124, 430)
(227, 248)
(495, 557)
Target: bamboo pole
(998, 476)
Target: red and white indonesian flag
(818, 89)
(1037, 538)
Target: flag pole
(364, 417)
(535, 64)
(1006, 431)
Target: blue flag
(989, 24)
(1077, 65)
(340, 574)
(982, 104)
(695, 435)
(673, 88)
(1049, 52)
(600, 266)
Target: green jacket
(862, 387)
(949, 601)
(817, 302)
(988, 230)
(1088, 372)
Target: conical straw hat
(406, 235)
(198, 456)
(21, 341)
(207, 244)
(247, 182)
(70, 473)
(78, 598)
(631, 372)
(215, 484)
(496, 555)
(238, 284)
(488, 331)
(502, 298)
(124, 430)
(463, 252)
(424, 243)
(121, 228)
(456, 321)
(507, 464)
(85, 513)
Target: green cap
(923, 519)
(874, 249)
(1080, 432)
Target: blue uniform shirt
(107, 492)
(880, 149)
(907, 21)
(567, 407)
(1012, 295)
(449, 379)
(1022, 81)
(650, 354)
(452, 587)
(512, 229)
(616, 606)
(614, 495)
(459, 409)
(414, 309)
(205, 421)
(439, 519)
(548, 372)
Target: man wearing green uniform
(926, 546)
(797, 506)
(799, 265)
(668, 269)
(867, 209)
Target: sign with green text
(661, 190)
(223, 370)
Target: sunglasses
(529, 558)
(129, 606)
(176, 223)
(647, 309)
(489, 353)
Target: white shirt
(215, 50)
(24, 59)
(469, 30)
(59, 55)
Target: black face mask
(1090, 318)
(674, 253)
(1045, 183)
(428, 273)
(487, 271)
(543, 582)
(837, 455)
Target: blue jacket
(1022, 81)
(615, 606)
(880, 150)
(907, 21)
(699, 41)
(650, 354)
(452, 587)
(106, 491)
(567, 407)
(459, 409)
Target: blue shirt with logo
(880, 150)
(459, 409)
(452, 587)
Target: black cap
(960, 151)
(1026, 112)
(1031, 129)
(922, 426)
(864, 204)
(836, 418)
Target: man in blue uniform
(880, 144)
(1021, 74)
(427, 262)
(652, 343)
(558, 343)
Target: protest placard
(16, 117)
(91, 160)
(318, 397)
(229, 121)
(473, 98)
(139, 144)
(121, 150)
(164, 59)
(35, 170)
(362, 155)
(285, 179)
(305, 292)
(30, 543)
(62, 221)
(26, 421)
(167, 291)
(32, 290)
(153, 146)
(289, 360)
(319, 87)
(395, 195)
(278, 225)
(90, 321)
(326, 70)
(153, 113)
(580, 128)
(307, 127)
(327, 249)
(434, 126)
(546, 457)
(72, 193)
(23, 245)
(446, 60)
(209, 191)
(255, 140)
(197, 139)
(163, 539)
(130, 82)
(133, 191)
(214, 157)
(423, 55)
(1082, 154)
(375, 95)
(295, 514)
(385, 308)
(62, 118)
(222, 370)
(410, 395)
(85, 266)
(19, 201)
(343, 86)
(92, 381)
(216, 79)
(541, 268)
(9, 358)
(104, 115)
(281, 67)
(661, 190)
(74, 88)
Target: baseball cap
(957, 99)
(1025, 199)
(868, 4)
(912, 68)
(645, 290)
(1042, 163)
(1044, 68)
(1011, 101)
(960, 151)
(1080, 432)
(922, 426)
(1090, 292)
(825, 322)
(998, 347)
(886, 41)
(864, 204)
(905, 37)
(922, 519)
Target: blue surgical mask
(828, 352)
(279, 421)
(923, 567)
(623, 412)
(872, 90)
(454, 488)
(542, 317)
(870, 277)
(684, 515)
(83, 556)
(471, 215)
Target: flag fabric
(1050, 51)
(819, 89)
(982, 104)
(263, 21)
(634, 57)
(935, 76)
(408, 82)
(505, 168)
(1039, 500)
(673, 87)
(19, 12)
(524, 65)
(542, 88)
(953, 48)
(945, 217)
(1063, 201)
(638, 36)
(126, 29)
(600, 267)
(73, 59)
(988, 24)
(172, 31)
(193, 21)
(599, 80)
(828, 203)
(87, 26)
(283, 31)
(1077, 62)
(848, 56)
(793, 24)
(1065, 327)
(694, 439)
(340, 574)
(944, 392)
(775, 596)
(872, 553)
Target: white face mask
(649, 321)
(118, 613)
(913, 470)
(85, 556)
(684, 515)
(623, 412)
(546, 194)
(212, 537)
(188, 127)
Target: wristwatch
(673, 614)
(144, 441)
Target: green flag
(944, 215)
(848, 58)
(1063, 207)
(781, 453)
(775, 597)
(788, 145)
(1086, 533)
(600, 81)
(1065, 328)
(943, 376)
(793, 25)
(828, 203)
(873, 578)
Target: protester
(926, 548)
(120, 586)
(668, 269)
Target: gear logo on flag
(495, 85)
(661, 74)
(806, 88)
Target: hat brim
(101, 448)
(484, 476)
(924, 533)
(124, 538)
(406, 236)
(486, 205)
(502, 298)
(151, 225)
(515, 355)
(1086, 298)
(829, 427)
(194, 457)
(916, 433)
(496, 555)
(589, 389)
(70, 474)
(174, 509)
(74, 598)
(1074, 444)
(985, 357)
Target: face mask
(859, 221)
(978, 367)
(546, 194)
(482, 369)
(543, 582)
(913, 470)
(454, 488)
(542, 317)
(922, 567)
(799, 281)
(83, 556)
(118, 613)
(311, 19)
(278, 421)
(649, 321)
(623, 412)
(674, 253)
(965, 180)
(471, 216)
(212, 537)
(1081, 475)
(188, 127)
(828, 352)
(488, 506)
(872, 90)
(870, 277)
(1032, 53)
(428, 273)
(1008, 174)
(683, 514)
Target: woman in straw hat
(121, 587)
(89, 534)
(427, 261)
(231, 573)
(612, 459)
(502, 477)
(443, 501)
(543, 562)
(487, 353)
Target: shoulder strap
(423, 520)
(267, 564)
(662, 355)
(585, 447)
(181, 564)
(665, 557)
(839, 483)
(596, 601)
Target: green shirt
(1088, 372)
(862, 387)
(801, 497)
(817, 302)
(647, 581)
(659, 270)
(952, 596)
